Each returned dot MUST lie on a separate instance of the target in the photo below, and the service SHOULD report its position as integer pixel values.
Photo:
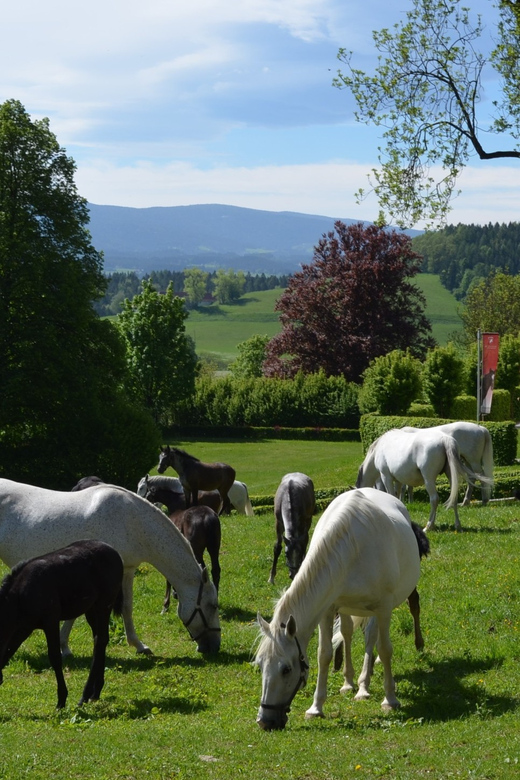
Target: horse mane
(328, 546)
(185, 454)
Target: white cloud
(325, 189)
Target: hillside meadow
(218, 330)
(178, 715)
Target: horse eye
(286, 670)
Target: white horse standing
(475, 447)
(34, 521)
(416, 457)
(362, 561)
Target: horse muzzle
(208, 642)
(275, 721)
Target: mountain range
(207, 236)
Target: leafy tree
(508, 368)
(425, 92)
(229, 285)
(443, 378)
(62, 370)
(352, 304)
(195, 282)
(161, 358)
(251, 356)
(493, 305)
(390, 383)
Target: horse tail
(487, 464)
(422, 540)
(117, 609)
(458, 466)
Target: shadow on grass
(440, 692)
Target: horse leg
(52, 634)
(98, 620)
(347, 630)
(434, 503)
(131, 635)
(390, 702)
(415, 611)
(371, 630)
(324, 658)
(167, 596)
(64, 637)
(277, 549)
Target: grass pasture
(177, 715)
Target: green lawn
(218, 331)
(177, 716)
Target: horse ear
(290, 629)
(265, 628)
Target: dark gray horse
(294, 506)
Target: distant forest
(462, 255)
(123, 285)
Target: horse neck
(304, 603)
(170, 553)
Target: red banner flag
(490, 343)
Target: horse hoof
(144, 651)
(347, 688)
(388, 706)
(312, 713)
(362, 696)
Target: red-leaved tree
(353, 303)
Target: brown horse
(201, 527)
(196, 475)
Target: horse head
(164, 459)
(284, 669)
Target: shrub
(443, 378)
(464, 407)
(501, 406)
(421, 410)
(390, 383)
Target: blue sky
(170, 102)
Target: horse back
(295, 503)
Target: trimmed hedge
(254, 433)
(503, 434)
(507, 485)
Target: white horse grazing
(475, 447)
(238, 492)
(34, 521)
(416, 457)
(363, 561)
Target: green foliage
(421, 410)
(508, 369)
(354, 303)
(251, 356)
(161, 359)
(229, 285)
(195, 282)
(493, 306)
(465, 255)
(309, 400)
(62, 370)
(464, 407)
(425, 94)
(391, 383)
(501, 406)
(442, 378)
(503, 434)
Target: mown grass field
(217, 331)
(178, 715)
